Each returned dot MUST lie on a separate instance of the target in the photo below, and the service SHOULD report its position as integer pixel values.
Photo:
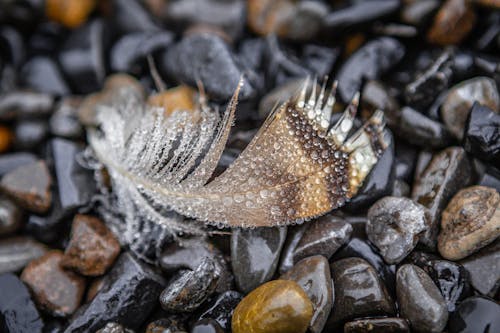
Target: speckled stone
(278, 306)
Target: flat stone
(11, 217)
(17, 252)
(255, 254)
(55, 290)
(29, 186)
(377, 325)
(453, 22)
(92, 248)
(394, 225)
(475, 314)
(278, 306)
(420, 300)
(18, 313)
(221, 308)
(313, 275)
(484, 269)
(482, 133)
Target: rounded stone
(470, 221)
(278, 306)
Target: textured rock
(482, 134)
(17, 252)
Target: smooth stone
(460, 98)
(114, 328)
(206, 58)
(11, 161)
(394, 226)
(368, 62)
(377, 325)
(482, 134)
(313, 275)
(92, 248)
(29, 186)
(475, 314)
(18, 313)
(187, 291)
(294, 234)
(132, 16)
(470, 221)
(16, 104)
(420, 300)
(30, 134)
(41, 74)
(132, 287)
(221, 308)
(56, 291)
(447, 172)
(452, 23)
(11, 217)
(484, 269)
(17, 252)
(255, 254)
(64, 121)
(206, 326)
(278, 306)
(323, 237)
(70, 14)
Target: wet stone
(56, 291)
(18, 313)
(475, 314)
(30, 134)
(92, 248)
(41, 74)
(313, 275)
(453, 22)
(394, 225)
(484, 269)
(221, 308)
(206, 326)
(482, 134)
(359, 292)
(420, 300)
(64, 122)
(377, 325)
(187, 291)
(459, 100)
(11, 217)
(29, 186)
(9, 162)
(279, 306)
(17, 252)
(133, 289)
(375, 96)
(470, 221)
(114, 328)
(25, 104)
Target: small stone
(453, 22)
(17, 104)
(313, 275)
(459, 100)
(42, 74)
(278, 306)
(470, 221)
(475, 314)
(255, 254)
(114, 328)
(394, 225)
(375, 96)
(166, 325)
(221, 308)
(206, 326)
(68, 12)
(18, 313)
(17, 252)
(377, 325)
(190, 289)
(484, 269)
(6, 139)
(29, 134)
(132, 16)
(55, 290)
(64, 122)
(29, 186)
(9, 162)
(11, 217)
(92, 248)
(417, 12)
(420, 300)
(482, 134)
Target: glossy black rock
(221, 308)
(482, 134)
(475, 314)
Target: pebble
(452, 23)
(6, 139)
(406, 159)
(42, 74)
(475, 314)
(68, 12)
(17, 252)
(484, 269)
(29, 186)
(11, 161)
(278, 306)
(394, 225)
(359, 292)
(470, 221)
(17, 310)
(114, 328)
(294, 234)
(313, 275)
(11, 217)
(377, 325)
(418, 12)
(56, 291)
(482, 134)
(165, 325)
(458, 102)
(255, 254)
(420, 300)
(132, 287)
(47, 227)
(64, 121)
(400, 189)
(376, 96)
(29, 134)
(132, 16)
(221, 308)
(490, 178)
(206, 326)
(447, 172)
(92, 248)
(187, 291)
(18, 104)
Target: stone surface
(29, 186)
(18, 313)
(313, 275)
(294, 234)
(92, 248)
(17, 252)
(420, 300)
(470, 221)
(278, 306)
(57, 291)
(453, 22)
(255, 254)
(206, 326)
(484, 269)
(482, 134)
(377, 325)
(11, 217)
(475, 314)
(132, 287)
(221, 308)
(394, 225)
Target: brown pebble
(6, 139)
(94, 288)
(92, 248)
(57, 291)
(452, 23)
(268, 16)
(178, 98)
(71, 13)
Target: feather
(297, 167)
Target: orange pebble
(6, 138)
(70, 13)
